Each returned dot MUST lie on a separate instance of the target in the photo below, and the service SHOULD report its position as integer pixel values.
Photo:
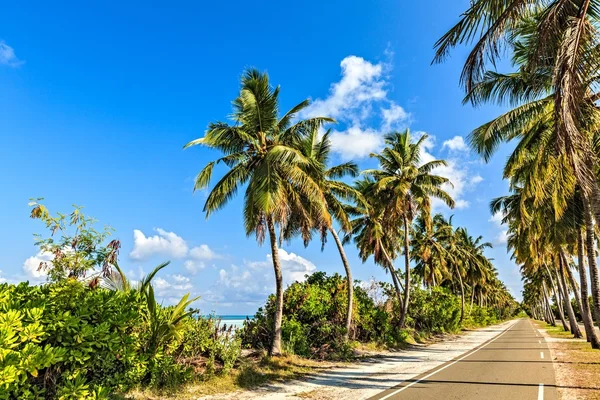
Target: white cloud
(497, 218)
(462, 178)
(252, 282)
(203, 252)
(8, 56)
(169, 244)
(31, 266)
(476, 179)
(360, 85)
(501, 237)
(356, 142)
(193, 266)
(393, 115)
(172, 287)
(457, 143)
(355, 100)
(2, 279)
(164, 244)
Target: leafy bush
(314, 315)
(313, 318)
(72, 341)
(436, 310)
(67, 340)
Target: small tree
(81, 248)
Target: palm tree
(317, 149)
(372, 235)
(468, 254)
(561, 43)
(429, 248)
(407, 187)
(261, 150)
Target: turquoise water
(235, 320)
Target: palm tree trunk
(591, 256)
(407, 274)
(551, 321)
(349, 283)
(276, 344)
(571, 281)
(562, 283)
(472, 299)
(561, 314)
(586, 313)
(462, 293)
(394, 276)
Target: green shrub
(66, 340)
(435, 310)
(71, 340)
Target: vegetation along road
(515, 364)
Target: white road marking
(541, 392)
(542, 354)
(539, 341)
(444, 367)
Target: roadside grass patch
(576, 364)
(251, 372)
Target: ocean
(236, 320)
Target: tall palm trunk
(562, 283)
(395, 280)
(586, 313)
(561, 314)
(462, 293)
(407, 274)
(349, 281)
(276, 344)
(572, 282)
(591, 256)
(552, 320)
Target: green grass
(555, 331)
(250, 373)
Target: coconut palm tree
(407, 186)
(317, 148)
(261, 149)
(429, 248)
(561, 43)
(372, 235)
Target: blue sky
(97, 100)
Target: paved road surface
(514, 365)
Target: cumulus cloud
(356, 142)
(462, 179)
(355, 100)
(252, 282)
(393, 115)
(501, 237)
(360, 85)
(169, 244)
(457, 143)
(31, 266)
(172, 287)
(193, 266)
(164, 243)
(8, 56)
(203, 252)
(497, 219)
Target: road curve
(515, 365)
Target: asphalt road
(515, 365)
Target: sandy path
(369, 377)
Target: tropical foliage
(552, 210)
